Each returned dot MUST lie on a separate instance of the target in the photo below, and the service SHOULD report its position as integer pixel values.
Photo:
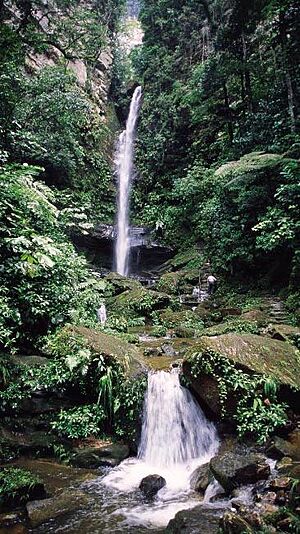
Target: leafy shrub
(80, 422)
(45, 282)
(128, 409)
(15, 485)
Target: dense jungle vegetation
(221, 84)
(217, 180)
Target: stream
(176, 439)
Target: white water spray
(175, 430)
(124, 164)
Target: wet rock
(198, 520)
(232, 469)
(290, 447)
(281, 483)
(201, 478)
(106, 455)
(168, 350)
(151, 484)
(68, 501)
(14, 529)
(29, 444)
(8, 520)
(232, 523)
(288, 468)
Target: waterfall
(175, 430)
(176, 439)
(124, 166)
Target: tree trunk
(287, 73)
(247, 79)
(227, 106)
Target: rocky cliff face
(76, 35)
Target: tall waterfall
(175, 430)
(124, 165)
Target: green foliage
(79, 422)
(211, 96)
(45, 282)
(258, 412)
(16, 483)
(128, 409)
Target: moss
(238, 325)
(190, 258)
(120, 283)
(255, 161)
(110, 347)
(139, 302)
(278, 359)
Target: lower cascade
(175, 430)
(176, 438)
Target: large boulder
(31, 443)
(255, 353)
(198, 520)
(107, 455)
(279, 447)
(109, 346)
(66, 502)
(138, 302)
(235, 468)
(251, 353)
(201, 478)
(151, 484)
(121, 283)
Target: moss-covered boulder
(178, 282)
(109, 346)
(27, 443)
(107, 455)
(121, 283)
(256, 354)
(182, 318)
(138, 302)
(68, 501)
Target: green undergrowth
(258, 411)
(16, 485)
(107, 402)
